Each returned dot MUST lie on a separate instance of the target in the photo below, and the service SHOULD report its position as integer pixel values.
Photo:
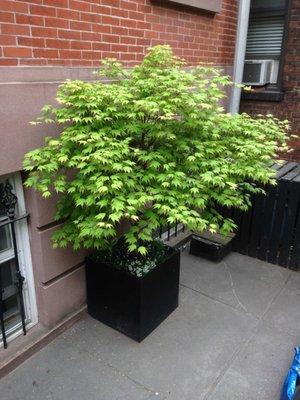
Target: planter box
(132, 305)
(210, 248)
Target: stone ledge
(213, 6)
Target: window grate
(8, 202)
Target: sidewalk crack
(233, 287)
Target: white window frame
(25, 261)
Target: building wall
(76, 33)
(44, 42)
(289, 107)
(59, 273)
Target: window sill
(264, 95)
(213, 6)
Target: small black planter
(134, 306)
(209, 249)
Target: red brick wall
(76, 33)
(289, 108)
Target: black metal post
(2, 314)
(19, 279)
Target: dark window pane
(265, 36)
(10, 306)
(6, 274)
(268, 4)
(9, 294)
(4, 238)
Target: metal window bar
(167, 232)
(8, 202)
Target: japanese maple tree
(150, 145)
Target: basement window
(265, 49)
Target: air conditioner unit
(257, 72)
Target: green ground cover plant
(133, 263)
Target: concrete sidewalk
(232, 337)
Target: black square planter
(132, 305)
(208, 249)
